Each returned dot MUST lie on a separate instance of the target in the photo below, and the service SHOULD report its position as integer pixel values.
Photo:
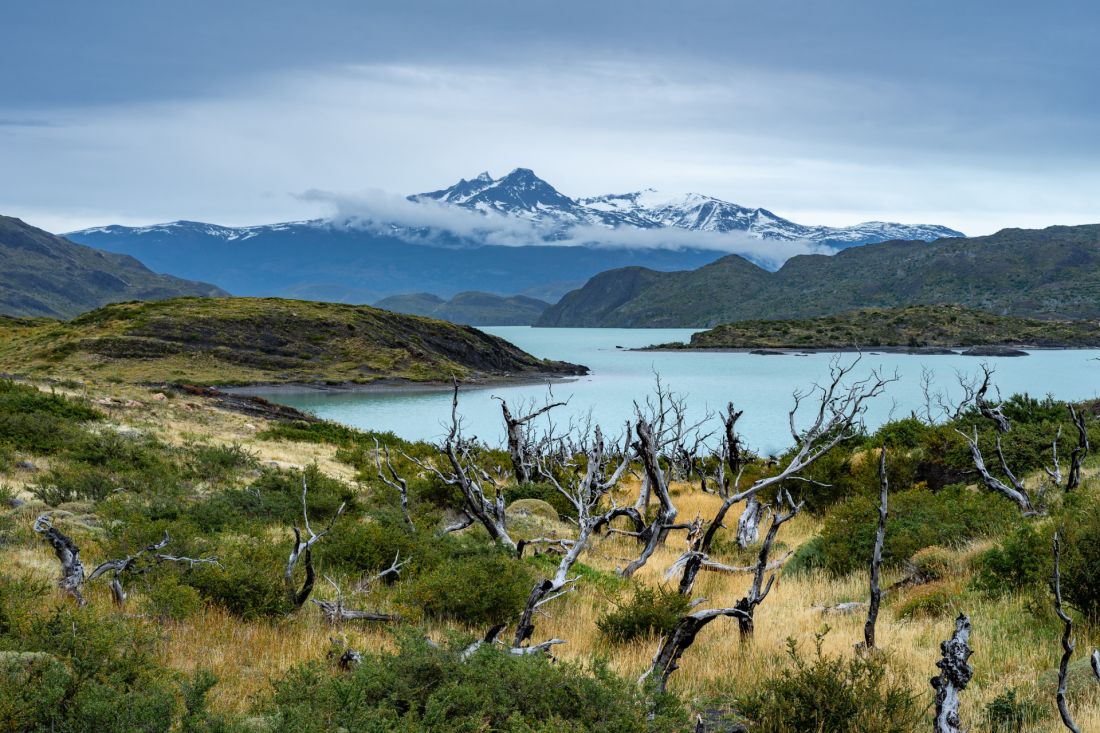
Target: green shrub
(1081, 553)
(166, 599)
(927, 601)
(542, 492)
(479, 589)
(371, 545)
(248, 581)
(1008, 713)
(651, 611)
(1021, 561)
(216, 464)
(73, 483)
(422, 688)
(917, 519)
(825, 693)
(809, 556)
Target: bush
(166, 599)
(543, 492)
(1008, 713)
(1021, 561)
(927, 601)
(216, 464)
(248, 581)
(422, 688)
(649, 612)
(479, 589)
(1081, 553)
(824, 693)
(917, 519)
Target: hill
(471, 308)
(261, 341)
(917, 326)
(1047, 273)
(45, 275)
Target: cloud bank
(386, 212)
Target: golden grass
(1013, 647)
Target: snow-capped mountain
(523, 195)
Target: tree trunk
(953, 678)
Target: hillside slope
(916, 326)
(1047, 273)
(470, 308)
(261, 341)
(45, 275)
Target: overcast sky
(976, 115)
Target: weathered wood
(1068, 644)
(954, 676)
(303, 549)
(68, 554)
(520, 450)
(1016, 492)
(1079, 451)
(748, 524)
(876, 555)
(758, 591)
(394, 481)
(675, 643)
(585, 494)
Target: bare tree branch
(1017, 492)
(1080, 450)
(394, 481)
(876, 555)
(68, 554)
(305, 548)
(1068, 644)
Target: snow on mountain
(549, 215)
(524, 195)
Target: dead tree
(672, 647)
(990, 410)
(1017, 492)
(1080, 450)
(839, 413)
(954, 676)
(68, 554)
(647, 448)
(585, 494)
(336, 613)
(129, 564)
(304, 549)
(471, 480)
(1068, 644)
(876, 556)
(758, 591)
(394, 481)
(520, 448)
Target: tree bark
(1068, 643)
(68, 554)
(876, 556)
(954, 676)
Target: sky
(972, 114)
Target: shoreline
(393, 386)
(906, 350)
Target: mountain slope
(261, 340)
(45, 275)
(916, 326)
(471, 308)
(1047, 273)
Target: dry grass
(1013, 646)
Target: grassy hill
(260, 340)
(45, 275)
(471, 308)
(917, 326)
(1049, 273)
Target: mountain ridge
(42, 274)
(1049, 273)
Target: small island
(929, 329)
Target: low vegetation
(943, 326)
(218, 341)
(619, 612)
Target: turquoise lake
(760, 385)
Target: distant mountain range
(509, 235)
(1046, 273)
(523, 195)
(42, 274)
(471, 309)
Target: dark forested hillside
(1046, 273)
(45, 275)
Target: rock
(531, 508)
(15, 502)
(844, 608)
(930, 351)
(26, 466)
(993, 351)
(159, 396)
(767, 352)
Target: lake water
(759, 385)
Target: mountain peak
(484, 177)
